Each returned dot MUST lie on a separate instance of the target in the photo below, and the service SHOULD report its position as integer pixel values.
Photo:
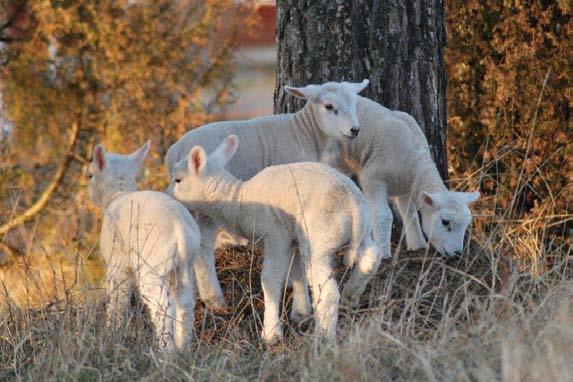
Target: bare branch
(80, 159)
(39, 205)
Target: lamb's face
(334, 106)
(110, 172)
(187, 187)
(97, 181)
(193, 177)
(103, 178)
(445, 219)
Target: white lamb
(385, 149)
(148, 241)
(306, 204)
(391, 158)
(266, 141)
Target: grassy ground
(424, 318)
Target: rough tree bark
(397, 44)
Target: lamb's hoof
(218, 305)
(350, 297)
(272, 338)
(299, 317)
(351, 301)
(386, 254)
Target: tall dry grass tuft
(424, 318)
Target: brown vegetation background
(509, 116)
(117, 72)
(121, 72)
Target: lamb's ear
(99, 157)
(357, 87)
(431, 200)
(222, 154)
(309, 92)
(138, 156)
(197, 160)
(469, 197)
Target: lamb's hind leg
(365, 266)
(301, 308)
(205, 272)
(185, 305)
(275, 268)
(411, 223)
(119, 289)
(376, 196)
(325, 293)
(159, 296)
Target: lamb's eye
(177, 180)
(445, 222)
(328, 107)
(89, 175)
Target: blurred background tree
(509, 121)
(508, 103)
(115, 71)
(125, 71)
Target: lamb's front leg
(276, 262)
(411, 223)
(205, 272)
(376, 195)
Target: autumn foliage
(119, 72)
(508, 101)
(509, 122)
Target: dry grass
(503, 311)
(424, 318)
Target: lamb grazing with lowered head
(306, 204)
(148, 241)
(391, 158)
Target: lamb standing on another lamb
(148, 241)
(306, 204)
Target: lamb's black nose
(355, 130)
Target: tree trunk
(397, 44)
